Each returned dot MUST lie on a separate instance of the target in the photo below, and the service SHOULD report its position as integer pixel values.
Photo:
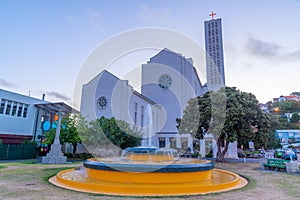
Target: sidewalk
(239, 160)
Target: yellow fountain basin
(162, 182)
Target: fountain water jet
(148, 171)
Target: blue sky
(44, 43)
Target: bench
(276, 164)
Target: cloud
(94, 17)
(270, 50)
(262, 48)
(59, 96)
(148, 14)
(8, 84)
(294, 55)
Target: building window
(25, 111)
(14, 109)
(2, 105)
(173, 142)
(102, 102)
(8, 107)
(142, 116)
(20, 109)
(161, 142)
(135, 112)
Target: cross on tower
(212, 14)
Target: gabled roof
(133, 91)
(56, 107)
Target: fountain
(148, 171)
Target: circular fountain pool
(148, 172)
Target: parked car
(296, 150)
(288, 154)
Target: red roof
(291, 97)
(286, 97)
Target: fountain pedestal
(55, 156)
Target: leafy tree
(295, 106)
(284, 106)
(193, 122)
(229, 115)
(296, 94)
(68, 131)
(75, 129)
(295, 118)
(273, 142)
(105, 131)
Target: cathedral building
(168, 81)
(214, 54)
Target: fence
(17, 151)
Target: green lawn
(29, 180)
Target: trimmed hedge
(17, 151)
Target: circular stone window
(102, 102)
(165, 81)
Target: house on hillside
(286, 98)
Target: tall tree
(229, 115)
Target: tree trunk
(220, 153)
(74, 149)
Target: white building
(214, 54)
(23, 117)
(106, 95)
(18, 117)
(169, 80)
